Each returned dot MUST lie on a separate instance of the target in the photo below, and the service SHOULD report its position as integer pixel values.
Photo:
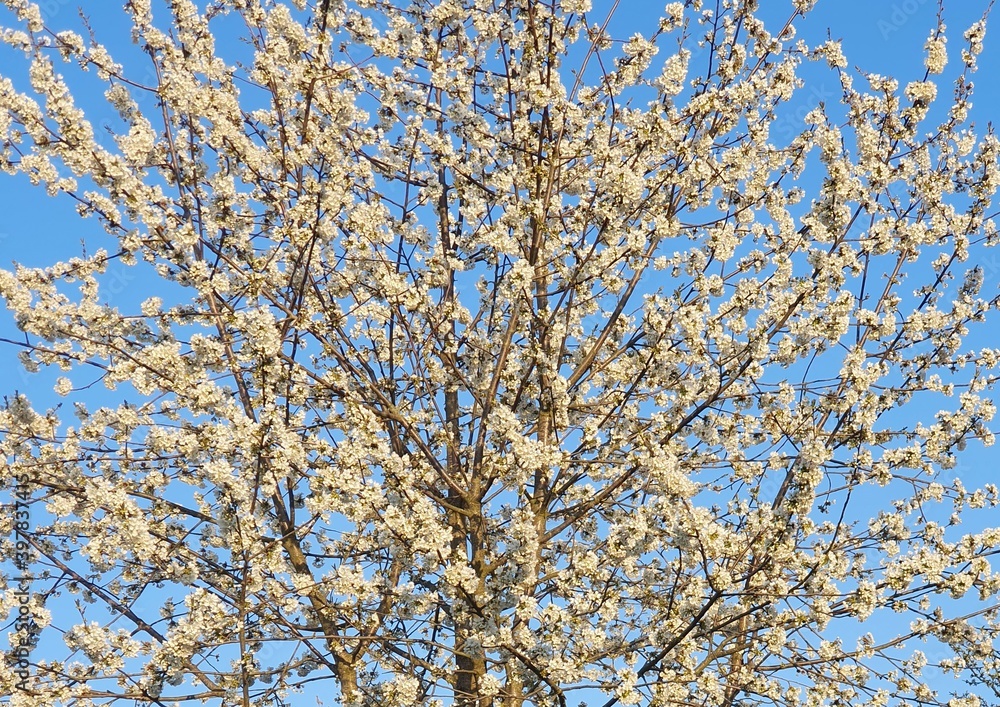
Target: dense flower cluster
(474, 355)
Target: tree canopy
(475, 355)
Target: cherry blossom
(475, 355)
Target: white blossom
(463, 352)
(937, 53)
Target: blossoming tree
(478, 356)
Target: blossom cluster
(474, 354)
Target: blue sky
(878, 36)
